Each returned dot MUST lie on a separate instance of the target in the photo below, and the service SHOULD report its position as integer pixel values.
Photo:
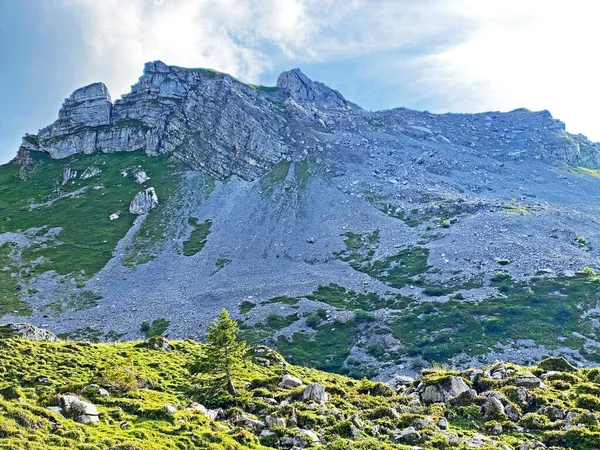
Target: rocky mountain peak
(94, 91)
(302, 89)
(220, 125)
(155, 67)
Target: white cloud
(460, 55)
(244, 38)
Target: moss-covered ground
(557, 312)
(69, 223)
(41, 201)
(34, 197)
(141, 380)
(197, 239)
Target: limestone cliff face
(209, 120)
(220, 125)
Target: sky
(434, 55)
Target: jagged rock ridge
(216, 123)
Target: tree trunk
(231, 388)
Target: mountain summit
(355, 241)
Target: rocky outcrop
(444, 390)
(90, 172)
(218, 124)
(140, 176)
(68, 174)
(303, 90)
(77, 409)
(210, 121)
(290, 382)
(28, 332)
(143, 202)
(82, 114)
(316, 393)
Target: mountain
(366, 243)
(142, 396)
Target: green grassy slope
(87, 236)
(68, 224)
(142, 380)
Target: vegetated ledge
(144, 396)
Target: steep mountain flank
(369, 243)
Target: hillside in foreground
(142, 395)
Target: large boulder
(407, 436)
(77, 409)
(306, 438)
(143, 202)
(273, 421)
(316, 393)
(290, 382)
(90, 172)
(28, 332)
(494, 409)
(140, 176)
(443, 390)
(528, 381)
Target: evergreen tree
(224, 352)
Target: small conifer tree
(224, 352)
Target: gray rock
(303, 90)
(273, 421)
(465, 398)
(77, 409)
(448, 389)
(217, 124)
(251, 423)
(316, 393)
(290, 382)
(143, 202)
(306, 438)
(478, 440)
(493, 409)
(56, 409)
(87, 418)
(408, 436)
(30, 333)
(212, 414)
(170, 410)
(523, 395)
(68, 174)
(528, 382)
(512, 412)
(552, 412)
(140, 176)
(90, 172)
